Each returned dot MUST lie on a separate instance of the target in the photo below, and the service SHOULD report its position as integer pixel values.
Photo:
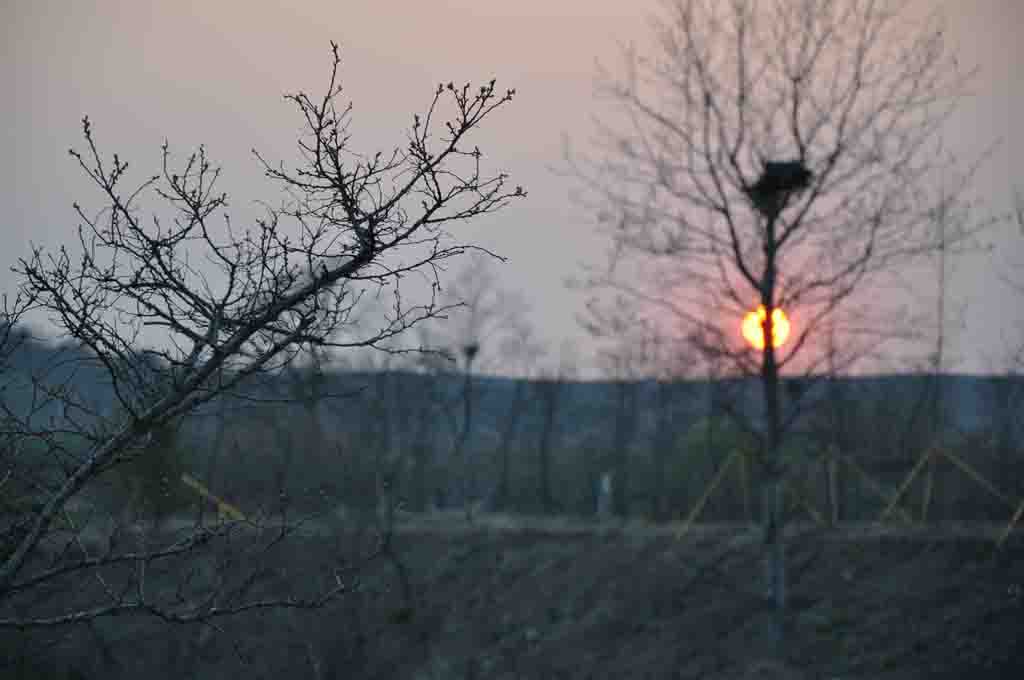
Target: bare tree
(429, 410)
(549, 388)
(1004, 391)
(520, 350)
(1010, 272)
(483, 322)
(624, 367)
(12, 335)
(483, 315)
(776, 154)
(228, 306)
(668, 364)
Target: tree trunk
(422, 446)
(773, 518)
(625, 412)
(508, 432)
(549, 392)
(468, 482)
(662, 444)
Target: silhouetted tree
(548, 397)
(228, 306)
(520, 351)
(777, 154)
(484, 321)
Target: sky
(214, 72)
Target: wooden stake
(905, 485)
(707, 494)
(929, 481)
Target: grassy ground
(511, 597)
(562, 599)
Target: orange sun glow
(753, 333)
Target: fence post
(604, 497)
(832, 472)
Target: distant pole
(469, 353)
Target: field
(511, 597)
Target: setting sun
(753, 333)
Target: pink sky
(213, 73)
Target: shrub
(149, 484)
